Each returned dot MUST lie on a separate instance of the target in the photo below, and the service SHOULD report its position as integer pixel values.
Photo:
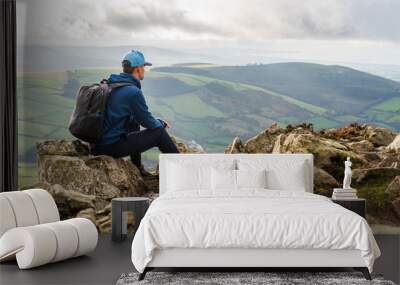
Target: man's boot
(143, 171)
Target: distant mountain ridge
(48, 58)
(326, 92)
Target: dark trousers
(134, 143)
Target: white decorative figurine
(347, 174)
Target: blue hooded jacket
(128, 107)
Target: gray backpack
(87, 119)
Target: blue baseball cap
(135, 58)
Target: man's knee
(161, 132)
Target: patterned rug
(243, 278)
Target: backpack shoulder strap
(115, 85)
(112, 86)
(119, 84)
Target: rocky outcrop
(379, 136)
(326, 151)
(373, 150)
(83, 185)
(354, 133)
(100, 176)
(264, 141)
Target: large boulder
(264, 141)
(101, 176)
(329, 155)
(83, 185)
(379, 136)
(395, 144)
(62, 147)
(120, 173)
(74, 174)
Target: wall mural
(223, 90)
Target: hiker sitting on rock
(126, 111)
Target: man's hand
(165, 123)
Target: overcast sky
(337, 30)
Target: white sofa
(31, 230)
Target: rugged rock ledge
(375, 153)
(83, 185)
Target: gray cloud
(145, 17)
(97, 21)
(316, 19)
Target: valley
(211, 104)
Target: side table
(356, 205)
(119, 213)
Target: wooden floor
(110, 260)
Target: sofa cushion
(7, 220)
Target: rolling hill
(339, 89)
(212, 104)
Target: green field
(391, 105)
(192, 106)
(201, 101)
